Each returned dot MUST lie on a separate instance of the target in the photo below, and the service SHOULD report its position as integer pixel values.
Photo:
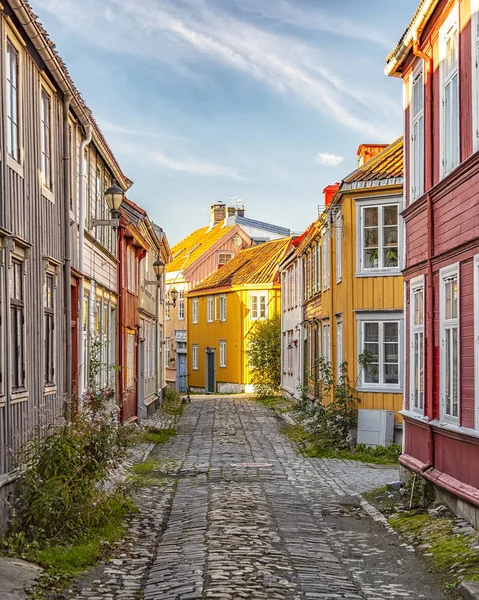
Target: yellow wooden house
(222, 311)
(361, 283)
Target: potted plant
(392, 258)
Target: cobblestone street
(288, 528)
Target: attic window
(223, 258)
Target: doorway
(210, 372)
(181, 372)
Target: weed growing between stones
(172, 404)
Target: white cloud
(194, 167)
(328, 160)
(183, 33)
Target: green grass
(158, 436)
(305, 442)
(172, 403)
(450, 554)
(274, 402)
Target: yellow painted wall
(359, 293)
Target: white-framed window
(167, 306)
(224, 257)
(416, 153)
(223, 307)
(326, 261)
(46, 138)
(167, 352)
(130, 359)
(338, 231)
(379, 237)
(210, 309)
(326, 346)
(194, 357)
(339, 346)
(416, 318)
(222, 354)
(12, 97)
(449, 93)
(450, 346)
(181, 305)
(380, 334)
(194, 310)
(17, 324)
(49, 286)
(258, 306)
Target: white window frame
(225, 254)
(326, 345)
(446, 274)
(194, 357)
(339, 346)
(223, 354)
(450, 27)
(194, 311)
(338, 232)
(416, 151)
(223, 308)
(381, 317)
(256, 313)
(46, 139)
(181, 306)
(380, 202)
(13, 36)
(210, 309)
(326, 258)
(416, 285)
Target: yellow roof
(194, 245)
(255, 265)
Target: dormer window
(223, 258)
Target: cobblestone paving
(290, 529)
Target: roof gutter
(412, 34)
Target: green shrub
(264, 353)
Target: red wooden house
(438, 60)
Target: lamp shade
(237, 241)
(114, 197)
(158, 267)
(174, 295)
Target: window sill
(454, 428)
(48, 194)
(49, 390)
(416, 415)
(20, 396)
(15, 165)
(379, 273)
(393, 389)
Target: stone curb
(469, 590)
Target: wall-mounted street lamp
(114, 196)
(174, 296)
(159, 269)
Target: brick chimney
(329, 193)
(231, 211)
(367, 151)
(217, 213)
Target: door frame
(209, 352)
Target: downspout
(428, 183)
(81, 260)
(67, 292)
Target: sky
(204, 101)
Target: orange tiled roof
(385, 168)
(258, 264)
(194, 245)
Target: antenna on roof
(237, 201)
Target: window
(48, 330)
(338, 230)
(46, 139)
(326, 261)
(17, 309)
(258, 306)
(195, 357)
(181, 305)
(339, 346)
(130, 360)
(210, 309)
(194, 310)
(223, 307)
(167, 352)
(131, 266)
(450, 93)
(379, 238)
(222, 354)
(167, 306)
(12, 72)
(416, 315)
(416, 162)
(449, 328)
(326, 342)
(223, 258)
(380, 337)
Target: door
(181, 373)
(210, 372)
(141, 381)
(129, 412)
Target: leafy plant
(265, 356)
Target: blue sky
(205, 100)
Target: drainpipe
(67, 292)
(428, 183)
(81, 260)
